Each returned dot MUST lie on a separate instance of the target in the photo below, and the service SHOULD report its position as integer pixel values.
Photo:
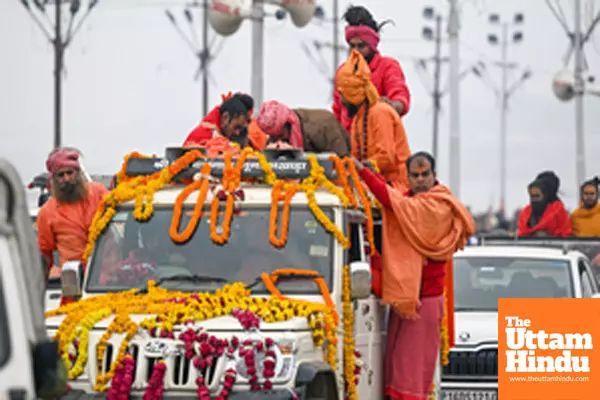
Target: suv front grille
(481, 365)
(181, 374)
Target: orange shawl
(431, 225)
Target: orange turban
(354, 80)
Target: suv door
(587, 282)
(369, 330)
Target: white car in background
(482, 275)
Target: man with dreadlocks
(362, 34)
(64, 220)
(377, 133)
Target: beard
(69, 192)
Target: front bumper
(469, 385)
(277, 394)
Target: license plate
(469, 395)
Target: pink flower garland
(203, 349)
(120, 387)
(269, 364)
(156, 383)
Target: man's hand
(398, 106)
(357, 164)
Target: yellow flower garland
(83, 315)
(349, 343)
(142, 189)
(445, 341)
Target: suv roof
(254, 194)
(518, 251)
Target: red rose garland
(121, 383)
(156, 383)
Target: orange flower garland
(232, 177)
(365, 201)
(127, 190)
(276, 197)
(202, 185)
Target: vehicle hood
(226, 323)
(473, 327)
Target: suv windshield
(129, 253)
(480, 281)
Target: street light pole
(60, 42)
(58, 68)
(453, 35)
(336, 37)
(505, 91)
(205, 57)
(258, 42)
(503, 112)
(578, 89)
(437, 95)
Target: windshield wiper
(283, 277)
(186, 278)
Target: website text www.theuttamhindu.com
(549, 379)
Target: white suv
(199, 265)
(482, 275)
(30, 367)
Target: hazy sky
(129, 86)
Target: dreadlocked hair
(359, 15)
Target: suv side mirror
(71, 277)
(360, 280)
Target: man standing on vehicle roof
(377, 132)
(362, 35)
(423, 228)
(64, 220)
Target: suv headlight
(255, 359)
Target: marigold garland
(171, 309)
(201, 185)
(142, 189)
(445, 341)
(137, 188)
(232, 177)
(351, 369)
(281, 192)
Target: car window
(480, 281)
(586, 281)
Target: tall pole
(258, 41)
(504, 110)
(58, 68)
(336, 36)
(578, 89)
(436, 85)
(205, 58)
(454, 90)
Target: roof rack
(588, 246)
(286, 164)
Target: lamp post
(60, 40)
(510, 35)
(435, 35)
